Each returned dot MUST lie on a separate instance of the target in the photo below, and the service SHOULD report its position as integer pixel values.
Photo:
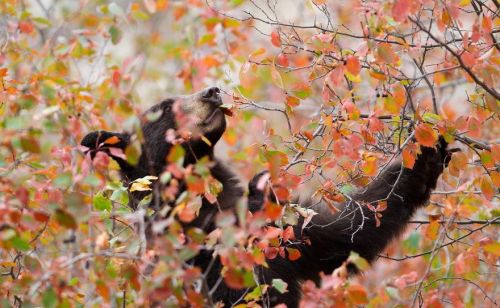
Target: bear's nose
(211, 95)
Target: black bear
(202, 116)
(325, 243)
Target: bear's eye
(167, 108)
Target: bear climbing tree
(365, 223)
(336, 113)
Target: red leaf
(401, 9)
(41, 216)
(288, 234)
(271, 252)
(375, 124)
(272, 232)
(275, 38)
(336, 75)
(26, 27)
(115, 78)
(468, 59)
(282, 60)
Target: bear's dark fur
(325, 243)
(202, 111)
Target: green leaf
(279, 285)
(359, 261)
(116, 34)
(49, 298)
(102, 203)
(176, 154)
(42, 21)
(20, 244)
(63, 181)
(257, 292)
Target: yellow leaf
(7, 263)
(205, 139)
(493, 248)
(276, 77)
(142, 184)
(353, 78)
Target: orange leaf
(292, 101)
(357, 294)
(293, 254)
(487, 187)
(408, 158)
(275, 39)
(272, 210)
(102, 290)
(369, 165)
(3, 72)
(431, 232)
(487, 24)
(425, 135)
(353, 66)
(112, 140)
(474, 126)
(234, 279)
(186, 214)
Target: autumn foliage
(324, 94)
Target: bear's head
(196, 121)
(197, 117)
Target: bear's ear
(258, 187)
(101, 138)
